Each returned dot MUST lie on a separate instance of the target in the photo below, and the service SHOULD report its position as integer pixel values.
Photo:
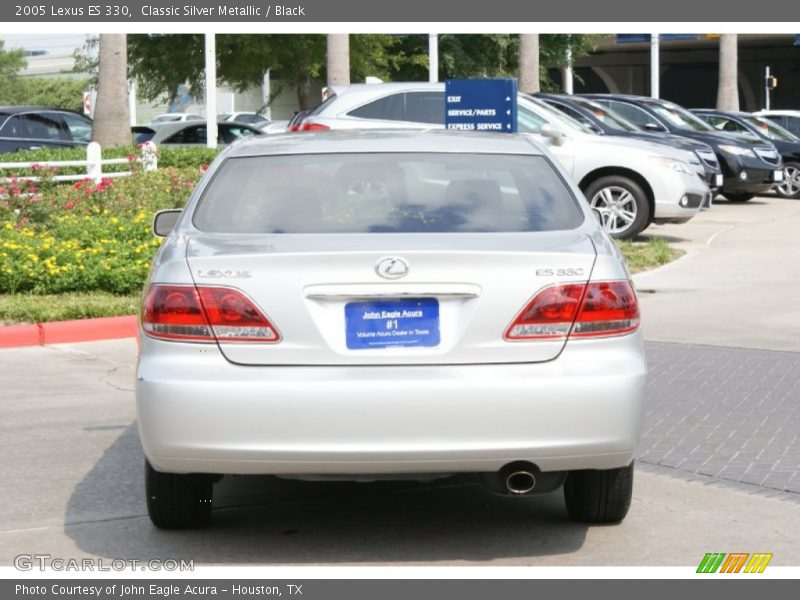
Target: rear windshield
(386, 193)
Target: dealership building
(689, 68)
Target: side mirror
(165, 220)
(654, 127)
(553, 134)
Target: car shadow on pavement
(267, 520)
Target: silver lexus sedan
(389, 304)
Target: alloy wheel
(791, 181)
(617, 208)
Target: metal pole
(568, 76)
(433, 57)
(766, 88)
(655, 66)
(132, 101)
(211, 90)
(266, 93)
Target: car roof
(389, 140)
(24, 109)
(389, 86)
(782, 113)
(729, 113)
(178, 125)
(362, 91)
(628, 97)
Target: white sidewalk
(739, 283)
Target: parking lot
(718, 469)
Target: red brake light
(235, 318)
(313, 127)
(549, 315)
(581, 310)
(182, 312)
(175, 312)
(609, 308)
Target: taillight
(313, 127)
(175, 312)
(609, 308)
(549, 315)
(182, 312)
(234, 317)
(581, 310)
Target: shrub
(53, 92)
(176, 156)
(86, 237)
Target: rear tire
(790, 188)
(599, 496)
(178, 501)
(739, 197)
(622, 204)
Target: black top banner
(418, 11)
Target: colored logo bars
(734, 562)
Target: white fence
(94, 163)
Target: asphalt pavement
(717, 471)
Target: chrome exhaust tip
(519, 483)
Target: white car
(251, 118)
(632, 183)
(176, 117)
(788, 119)
(402, 305)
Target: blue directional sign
(481, 105)
(630, 38)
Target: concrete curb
(62, 332)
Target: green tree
(484, 55)
(11, 63)
(728, 86)
(112, 125)
(55, 92)
(163, 62)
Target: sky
(53, 43)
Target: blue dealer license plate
(412, 322)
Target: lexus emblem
(392, 267)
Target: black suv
(32, 127)
(748, 168)
(605, 121)
(756, 127)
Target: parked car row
(636, 159)
(760, 128)
(34, 127)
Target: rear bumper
(200, 413)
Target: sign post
(481, 105)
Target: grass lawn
(653, 253)
(27, 308)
